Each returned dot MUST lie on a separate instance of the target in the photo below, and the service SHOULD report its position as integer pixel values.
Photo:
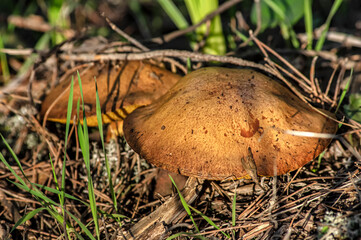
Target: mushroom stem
(250, 166)
(154, 226)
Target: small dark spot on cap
(163, 127)
(231, 107)
(225, 134)
(192, 131)
(276, 148)
(206, 132)
(132, 130)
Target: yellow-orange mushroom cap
(205, 124)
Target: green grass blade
(308, 23)
(321, 40)
(209, 221)
(284, 22)
(234, 208)
(184, 203)
(280, 12)
(353, 108)
(67, 127)
(27, 217)
(83, 227)
(22, 183)
(215, 42)
(343, 94)
(41, 197)
(114, 215)
(55, 191)
(43, 200)
(84, 145)
(54, 173)
(194, 11)
(8, 165)
(78, 236)
(173, 12)
(319, 159)
(243, 37)
(69, 114)
(4, 63)
(16, 160)
(100, 127)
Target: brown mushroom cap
(204, 125)
(121, 89)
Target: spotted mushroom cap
(204, 125)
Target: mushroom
(121, 89)
(214, 118)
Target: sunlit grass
(4, 63)
(326, 26)
(308, 23)
(197, 9)
(50, 205)
(84, 145)
(100, 127)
